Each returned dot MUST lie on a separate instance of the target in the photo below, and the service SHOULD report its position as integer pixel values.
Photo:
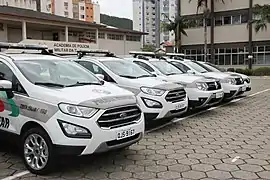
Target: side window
(95, 69)
(7, 74)
(145, 66)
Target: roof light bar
(107, 53)
(22, 46)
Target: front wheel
(38, 154)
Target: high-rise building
(85, 10)
(147, 16)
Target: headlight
(78, 111)
(74, 131)
(229, 80)
(247, 80)
(202, 86)
(152, 91)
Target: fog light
(152, 103)
(74, 131)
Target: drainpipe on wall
(157, 22)
(24, 33)
(143, 23)
(212, 32)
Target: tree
(206, 16)
(262, 17)
(173, 25)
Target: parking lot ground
(229, 142)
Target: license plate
(219, 95)
(125, 133)
(179, 106)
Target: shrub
(238, 70)
(231, 69)
(262, 71)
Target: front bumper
(232, 91)
(200, 99)
(168, 109)
(102, 140)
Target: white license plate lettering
(125, 134)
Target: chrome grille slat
(119, 116)
(110, 114)
(119, 119)
(176, 95)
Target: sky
(119, 8)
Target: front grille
(176, 95)
(119, 116)
(239, 81)
(213, 86)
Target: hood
(218, 75)
(154, 82)
(237, 74)
(187, 78)
(97, 96)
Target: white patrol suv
(213, 68)
(157, 99)
(201, 91)
(57, 107)
(233, 85)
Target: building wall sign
(59, 47)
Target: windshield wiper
(84, 84)
(50, 84)
(130, 77)
(172, 74)
(145, 76)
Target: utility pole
(178, 35)
(157, 22)
(143, 22)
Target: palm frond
(262, 17)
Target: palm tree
(262, 17)
(207, 14)
(179, 23)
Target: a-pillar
(24, 33)
(66, 33)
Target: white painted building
(26, 4)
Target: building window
(66, 4)
(244, 18)
(236, 19)
(227, 20)
(133, 38)
(82, 16)
(101, 35)
(91, 35)
(115, 37)
(82, 8)
(66, 13)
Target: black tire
(51, 155)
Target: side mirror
(190, 72)
(7, 87)
(154, 74)
(100, 76)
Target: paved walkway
(229, 142)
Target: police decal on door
(4, 122)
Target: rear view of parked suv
(157, 98)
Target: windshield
(59, 73)
(126, 69)
(166, 68)
(196, 67)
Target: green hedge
(262, 71)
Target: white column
(97, 39)
(66, 33)
(24, 33)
